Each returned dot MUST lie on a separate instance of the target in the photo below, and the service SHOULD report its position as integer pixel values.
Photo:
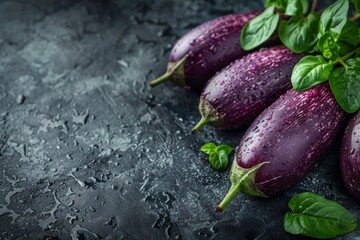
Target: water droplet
(215, 102)
(352, 151)
(269, 117)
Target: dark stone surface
(89, 151)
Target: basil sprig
(314, 216)
(337, 42)
(218, 155)
(333, 38)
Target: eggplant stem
(242, 180)
(203, 121)
(161, 79)
(230, 195)
(172, 67)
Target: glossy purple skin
(292, 134)
(350, 156)
(240, 92)
(211, 46)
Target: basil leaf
(279, 4)
(334, 18)
(223, 147)
(294, 8)
(223, 161)
(218, 155)
(345, 84)
(219, 161)
(314, 216)
(350, 33)
(259, 29)
(356, 4)
(305, 6)
(349, 38)
(208, 148)
(299, 34)
(328, 46)
(357, 54)
(310, 71)
(214, 160)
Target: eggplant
(350, 156)
(205, 50)
(284, 142)
(240, 92)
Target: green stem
(203, 121)
(342, 63)
(355, 17)
(172, 67)
(161, 79)
(341, 60)
(344, 58)
(242, 181)
(313, 6)
(230, 195)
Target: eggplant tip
(218, 209)
(203, 121)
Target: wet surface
(89, 151)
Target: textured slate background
(88, 150)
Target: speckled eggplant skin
(350, 156)
(291, 134)
(210, 47)
(240, 92)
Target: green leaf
(356, 4)
(345, 84)
(294, 8)
(219, 161)
(259, 29)
(223, 161)
(349, 38)
(310, 71)
(334, 18)
(299, 34)
(214, 160)
(224, 147)
(305, 6)
(314, 216)
(208, 148)
(279, 4)
(350, 33)
(218, 155)
(328, 46)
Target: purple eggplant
(206, 49)
(240, 92)
(284, 143)
(350, 156)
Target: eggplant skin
(209, 48)
(350, 156)
(292, 134)
(240, 92)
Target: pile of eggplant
(289, 131)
